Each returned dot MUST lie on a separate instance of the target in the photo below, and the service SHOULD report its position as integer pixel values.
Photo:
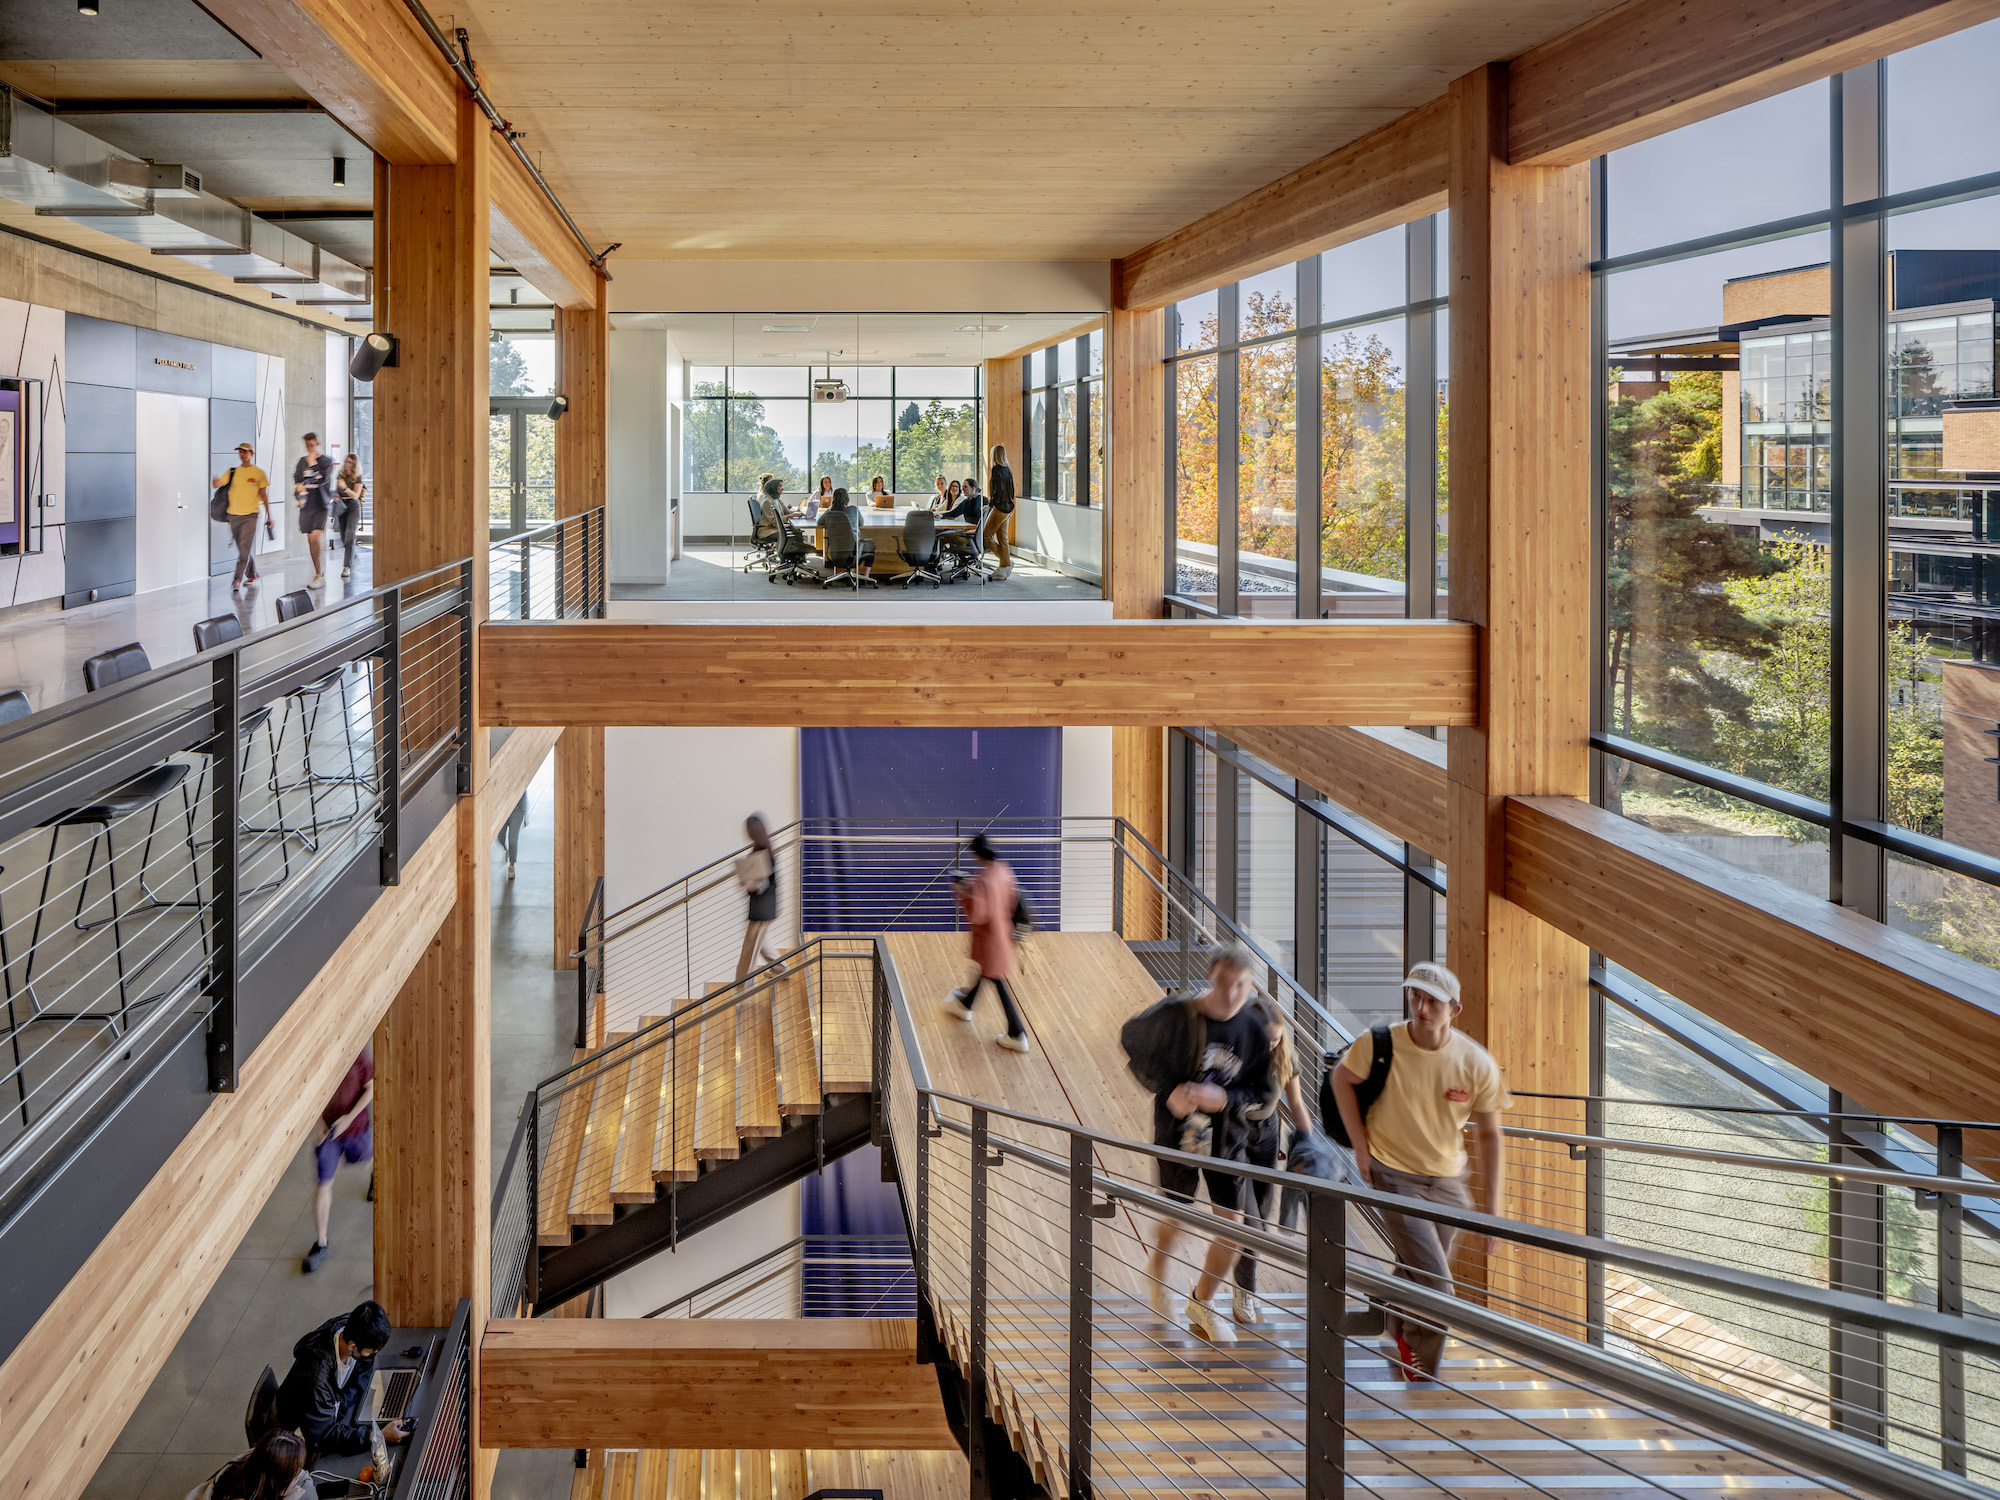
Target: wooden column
(433, 1051)
(582, 437)
(1003, 425)
(1519, 562)
(1135, 521)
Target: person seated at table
(940, 500)
(964, 504)
(879, 496)
(971, 487)
(321, 1397)
(866, 549)
(770, 506)
(823, 497)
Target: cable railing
(554, 572)
(164, 838)
(810, 1276)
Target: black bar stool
(219, 631)
(309, 698)
(146, 790)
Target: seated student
(879, 496)
(941, 499)
(823, 496)
(770, 505)
(865, 549)
(273, 1470)
(964, 504)
(321, 1397)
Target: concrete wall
(50, 277)
(1070, 536)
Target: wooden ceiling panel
(910, 129)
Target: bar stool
(309, 698)
(219, 631)
(145, 791)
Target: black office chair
(219, 631)
(145, 791)
(261, 1415)
(309, 698)
(763, 546)
(793, 550)
(846, 553)
(961, 557)
(918, 547)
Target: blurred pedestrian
(989, 898)
(249, 487)
(346, 1132)
(349, 490)
(312, 484)
(757, 874)
(1264, 1138)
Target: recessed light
(981, 327)
(777, 354)
(788, 328)
(930, 354)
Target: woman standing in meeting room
(1000, 502)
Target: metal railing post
(1951, 1300)
(390, 762)
(562, 578)
(593, 562)
(1082, 1275)
(465, 603)
(975, 1383)
(527, 588)
(225, 897)
(1326, 1346)
(1117, 877)
(920, 1239)
(531, 1280)
(878, 1054)
(1858, 1366)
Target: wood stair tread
(715, 1137)
(797, 1043)
(590, 1194)
(563, 1122)
(756, 1067)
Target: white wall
(675, 799)
(638, 472)
(701, 1258)
(1086, 793)
(1021, 286)
(1072, 535)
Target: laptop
(392, 1394)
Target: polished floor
(715, 572)
(42, 651)
(191, 1420)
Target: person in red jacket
(988, 899)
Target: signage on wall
(178, 364)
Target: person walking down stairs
(757, 874)
(989, 899)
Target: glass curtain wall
(1298, 457)
(1799, 659)
(1062, 421)
(908, 424)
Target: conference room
(852, 456)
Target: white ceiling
(852, 338)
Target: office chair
(309, 698)
(219, 631)
(763, 549)
(261, 1415)
(144, 792)
(793, 550)
(962, 557)
(846, 553)
(918, 547)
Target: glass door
(520, 465)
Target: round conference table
(885, 529)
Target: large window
(907, 424)
(1062, 420)
(1295, 496)
(1799, 396)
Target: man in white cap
(1411, 1140)
(249, 487)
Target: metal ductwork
(62, 172)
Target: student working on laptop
(321, 1397)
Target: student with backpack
(1264, 1138)
(1207, 1061)
(1409, 1138)
(991, 902)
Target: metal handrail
(1873, 1117)
(790, 1245)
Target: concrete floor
(191, 1420)
(711, 571)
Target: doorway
(520, 465)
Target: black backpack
(1024, 915)
(218, 503)
(1366, 1092)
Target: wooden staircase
(1173, 1414)
(658, 1110)
(762, 1474)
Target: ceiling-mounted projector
(829, 390)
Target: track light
(557, 406)
(377, 352)
(86, 7)
(340, 171)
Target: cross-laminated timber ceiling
(913, 129)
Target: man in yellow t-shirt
(249, 488)
(1412, 1141)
